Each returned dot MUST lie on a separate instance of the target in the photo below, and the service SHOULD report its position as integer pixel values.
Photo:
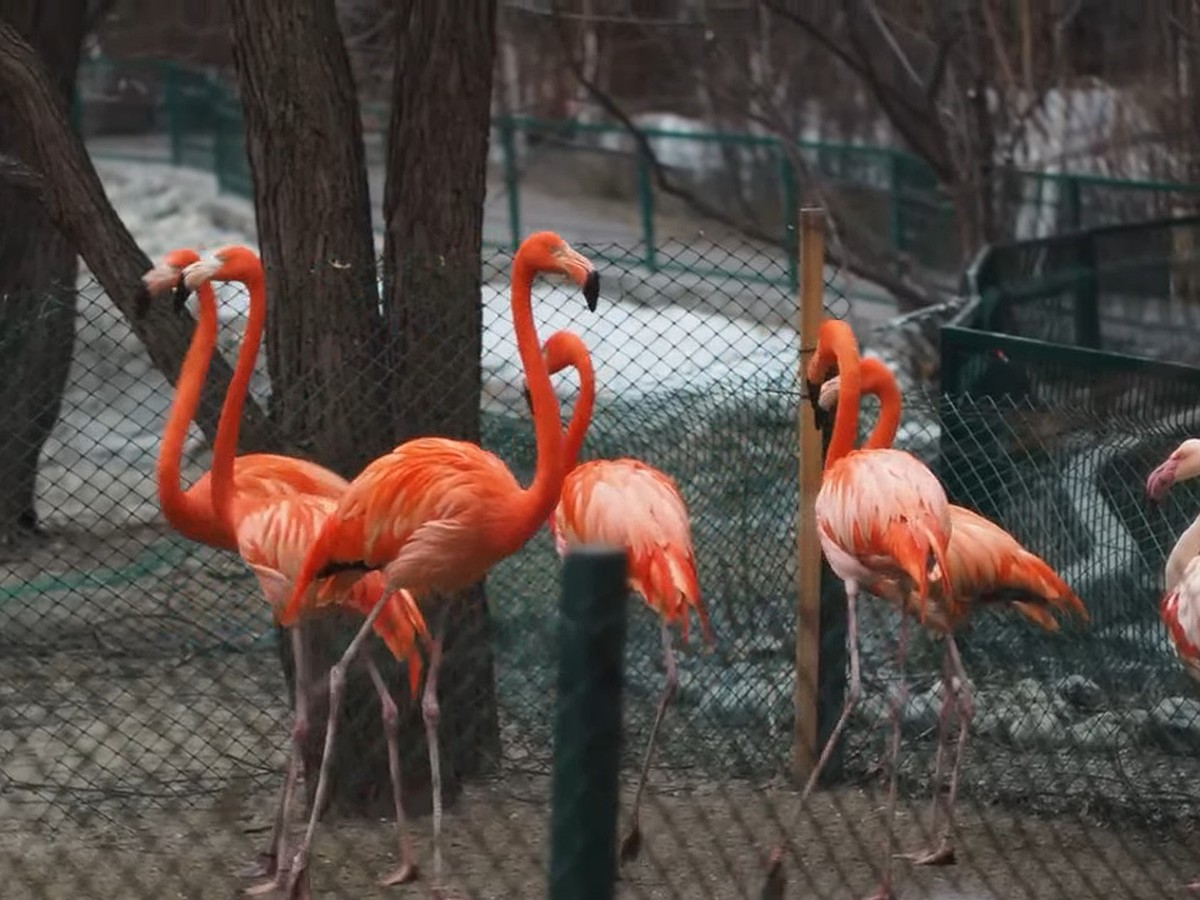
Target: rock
(1174, 725)
(1031, 714)
(1100, 732)
(1081, 693)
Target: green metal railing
(894, 195)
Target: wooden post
(808, 547)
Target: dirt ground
(697, 842)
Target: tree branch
(857, 262)
(74, 199)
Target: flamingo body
(430, 514)
(883, 513)
(626, 503)
(261, 476)
(1180, 612)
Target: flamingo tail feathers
(666, 576)
(1042, 590)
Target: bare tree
(433, 206)
(52, 190)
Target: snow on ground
(98, 465)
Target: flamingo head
(545, 251)
(163, 277)
(1182, 464)
(229, 263)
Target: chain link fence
(144, 716)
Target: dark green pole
(587, 728)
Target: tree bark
(37, 279)
(52, 165)
(433, 206)
(325, 336)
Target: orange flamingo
(987, 565)
(190, 512)
(435, 514)
(263, 478)
(273, 533)
(626, 503)
(880, 514)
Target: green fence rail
(193, 118)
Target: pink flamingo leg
(948, 702)
(901, 696)
(431, 713)
(298, 887)
(269, 864)
(632, 845)
(773, 885)
(944, 855)
(407, 870)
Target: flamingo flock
(435, 515)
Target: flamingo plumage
(880, 514)
(435, 514)
(273, 527)
(629, 504)
(1179, 607)
(987, 565)
(191, 512)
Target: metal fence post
(512, 183)
(895, 202)
(174, 123)
(791, 215)
(646, 206)
(1087, 295)
(587, 729)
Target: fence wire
(145, 721)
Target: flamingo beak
(580, 270)
(179, 298)
(201, 271)
(1161, 479)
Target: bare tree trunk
(437, 179)
(37, 278)
(52, 166)
(324, 331)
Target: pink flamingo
(626, 503)
(880, 514)
(435, 514)
(987, 565)
(1179, 608)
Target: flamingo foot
(1193, 886)
(402, 874)
(631, 847)
(943, 855)
(264, 866)
(298, 886)
(775, 881)
(883, 893)
(266, 887)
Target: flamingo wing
(421, 513)
(883, 514)
(626, 503)
(273, 537)
(1180, 612)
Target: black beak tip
(141, 302)
(180, 296)
(591, 290)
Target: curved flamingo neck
(179, 509)
(837, 341)
(581, 416)
(877, 379)
(540, 498)
(229, 425)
